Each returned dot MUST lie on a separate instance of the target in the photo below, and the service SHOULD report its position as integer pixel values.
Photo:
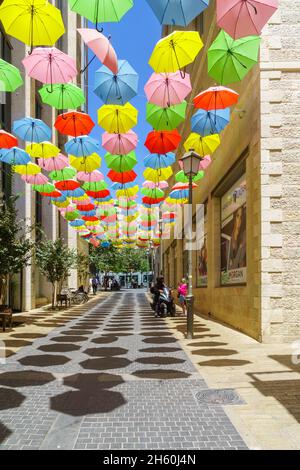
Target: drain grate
(226, 396)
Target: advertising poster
(233, 235)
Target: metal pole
(190, 297)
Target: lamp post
(190, 165)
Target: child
(182, 293)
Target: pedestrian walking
(94, 285)
(182, 293)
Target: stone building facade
(259, 147)
(29, 289)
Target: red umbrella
(217, 97)
(74, 124)
(67, 185)
(90, 218)
(151, 200)
(54, 194)
(162, 141)
(86, 207)
(7, 141)
(124, 177)
(98, 194)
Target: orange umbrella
(74, 123)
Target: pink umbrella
(205, 162)
(167, 89)
(240, 18)
(50, 65)
(95, 175)
(151, 185)
(35, 179)
(53, 164)
(84, 202)
(120, 144)
(101, 47)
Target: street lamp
(191, 166)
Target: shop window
(201, 256)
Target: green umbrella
(230, 60)
(181, 178)
(121, 163)
(10, 77)
(44, 188)
(101, 11)
(62, 96)
(95, 186)
(62, 175)
(72, 215)
(154, 193)
(166, 119)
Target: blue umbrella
(119, 88)
(117, 186)
(76, 223)
(62, 198)
(102, 199)
(179, 12)
(32, 130)
(82, 146)
(88, 213)
(210, 122)
(14, 156)
(78, 192)
(157, 161)
(179, 194)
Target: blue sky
(133, 38)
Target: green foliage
(118, 260)
(15, 243)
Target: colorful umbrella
(32, 130)
(151, 185)
(29, 169)
(62, 96)
(46, 188)
(240, 18)
(42, 150)
(10, 77)
(168, 89)
(101, 47)
(14, 156)
(118, 186)
(34, 22)
(151, 201)
(175, 51)
(35, 179)
(117, 119)
(53, 164)
(119, 144)
(177, 12)
(156, 160)
(164, 119)
(101, 11)
(124, 177)
(214, 98)
(67, 185)
(83, 146)
(180, 177)
(202, 145)
(74, 123)
(204, 164)
(95, 186)
(158, 175)
(50, 65)
(208, 122)
(162, 141)
(121, 163)
(64, 174)
(90, 177)
(7, 140)
(230, 60)
(154, 193)
(116, 88)
(98, 194)
(86, 164)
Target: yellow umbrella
(29, 169)
(175, 51)
(86, 164)
(158, 175)
(34, 22)
(93, 223)
(202, 145)
(65, 203)
(117, 119)
(131, 218)
(176, 201)
(127, 192)
(42, 150)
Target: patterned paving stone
(110, 378)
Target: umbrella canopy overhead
(230, 60)
(164, 119)
(82, 146)
(14, 156)
(163, 141)
(74, 123)
(95, 175)
(42, 150)
(62, 175)
(177, 12)
(62, 96)
(156, 160)
(218, 97)
(123, 177)
(240, 18)
(50, 65)
(158, 175)
(175, 51)
(7, 140)
(116, 88)
(29, 169)
(101, 47)
(168, 89)
(10, 77)
(121, 163)
(117, 119)
(32, 130)
(180, 177)
(101, 11)
(34, 22)
(202, 145)
(120, 144)
(210, 122)
(86, 164)
(55, 163)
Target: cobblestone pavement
(111, 377)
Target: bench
(64, 299)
